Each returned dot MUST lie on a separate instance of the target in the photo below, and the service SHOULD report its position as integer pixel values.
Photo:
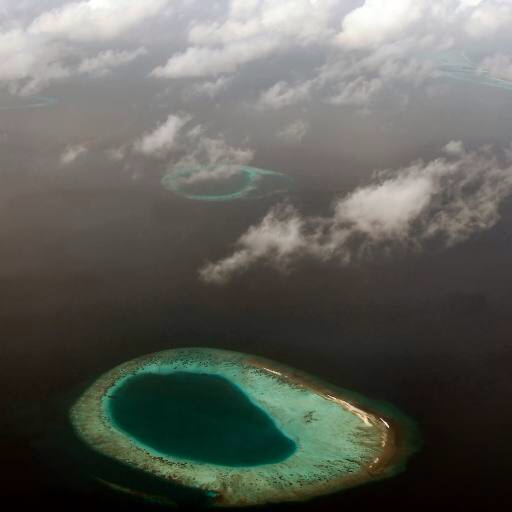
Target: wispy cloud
(497, 66)
(106, 61)
(72, 153)
(250, 31)
(53, 45)
(282, 94)
(93, 20)
(209, 88)
(445, 200)
(294, 132)
(160, 141)
(368, 48)
(213, 157)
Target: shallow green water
(199, 417)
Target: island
(223, 429)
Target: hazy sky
(145, 86)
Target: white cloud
(387, 209)
(105, 61)
(454, 148)
(200, 61)
(359, 92)
(210, 89)
(211, 156)
(364, 42)
(214, 158)
(72, 153)
(302, 21)
(351, 80)
(93, 20)
(30, 62)
(279, 237)
(116, 154)
(488, 18)
(294, 132)
(382, 45)
(497, 66)
(250, 31)
(162, 139)
(445, 200)
(378, 21)
(423, 22)
(282, 94)
(37, 52)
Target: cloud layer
(442, 201)
(93, 20)
(369, 49)
(52, 45)
(250, 30)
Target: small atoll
(241, 182)
(456, 64)
(24, 102)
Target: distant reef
(241, 182)
(21, 102)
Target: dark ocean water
(107, 275)
(99, 266)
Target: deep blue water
(204, 418)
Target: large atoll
(218, 428)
